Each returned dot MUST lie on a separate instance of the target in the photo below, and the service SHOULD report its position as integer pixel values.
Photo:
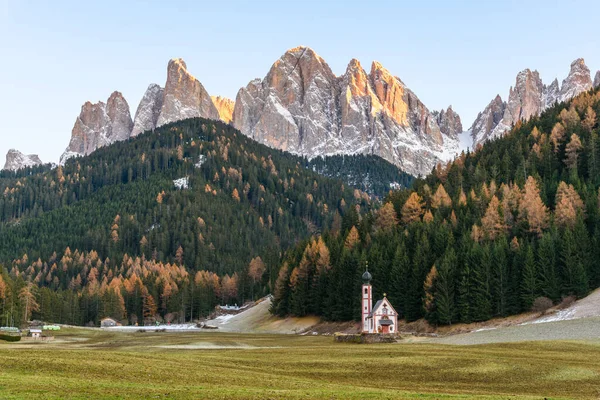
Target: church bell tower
(367, 301)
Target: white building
(382, 318)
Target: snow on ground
(182, 183)
(172, 327)
(201, 160)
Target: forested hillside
(166, 224)
(483, 236)
(370, 173)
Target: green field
(87, 364)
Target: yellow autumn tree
(352, 239)
(441, 198)
(428, 217)
(386, 218)
(532, 209)
(568, 205)
(492, 223)
(412, 209)
(572, 151)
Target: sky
(57, 55)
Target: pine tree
(546, 267)
(529, 285)
(444, 293)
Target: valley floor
(87, 363)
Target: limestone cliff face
(224, 107)
(528, 98)
(16, 160)
(578, 81)
(98, 125)
(302, 107)
(449, 122)
(184, 96)
(487, 120)
(597, 79)
(148, 111)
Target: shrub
(541, 304)
(9, 338)
(567, 302)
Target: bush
(10, 338)
(541, 304)
(567, 302)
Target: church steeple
(367, 300)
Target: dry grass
(84, 364)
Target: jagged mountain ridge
(528, 98)
(100, 124)
(302, 107)
(16, 160)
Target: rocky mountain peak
(99, 124)
(528, 98)
(225, 107)
(579, 80)
(302, 107)
(184, 96)
(449, 122)
(16, 160)
(487, 120)
(597, 79)
(148, 110)
(117, 110)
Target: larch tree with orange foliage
(412, 209)
(386, 218)
(532, 209)
(441, 198)
(492, 222)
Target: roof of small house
(35, 331)
(108, 319)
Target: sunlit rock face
(224, 107)
(487, 120)
(16, 160)
(98, 125)
(597, 79)
(578, 81)
(184, 96)
(302, 107)
(528, 98)
(148, 111)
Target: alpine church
(382, 318)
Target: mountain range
(302, 107)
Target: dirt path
(258, 319)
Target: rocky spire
(578, 81)
(487, 120)
(16, 160)
(148, 110)
(551, 94)
(224, 107)
(98, 125)
(184, 96)
(597, 79)
(449, 122)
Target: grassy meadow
(86, 364)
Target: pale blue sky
(58, 54)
